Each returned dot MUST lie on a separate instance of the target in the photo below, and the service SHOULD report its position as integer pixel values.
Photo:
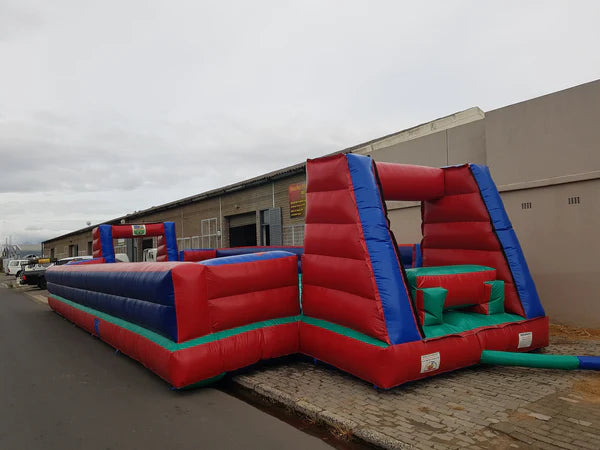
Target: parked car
(32, 273)
(37, 275)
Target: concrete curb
(315, 413)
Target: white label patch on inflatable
(430, 362)
(525, 339)
(138, 230)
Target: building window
(293, 235)
(209, 237)
(184, 243)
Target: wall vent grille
(526, 205)
(574, 200)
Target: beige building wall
(430, 150)
(405, 223)
(544, 151)
(455, 139)
(551, 136)
(253, 200)
(293, 228)
(60, 248)
(561, 245)
(244, 202)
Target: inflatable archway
(103, 236)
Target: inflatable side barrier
(187, 322)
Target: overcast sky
(107, 107)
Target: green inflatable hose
(538, 360)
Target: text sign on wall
(297, 195)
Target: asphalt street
(61, 388)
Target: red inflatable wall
(457, 230)
(239, 294)
(338, 284)
(406, 182)
(197, 255)
(161, 249)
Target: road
(61, 388)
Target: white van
(14, 266)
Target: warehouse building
(544, 155)
(254, 212)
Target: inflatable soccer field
(352, 297)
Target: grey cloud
(110, 107)
(118, 160)
(16, 20)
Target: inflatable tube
(589, 362)
(542, 361)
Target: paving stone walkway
(478, 407)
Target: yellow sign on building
(297, 195)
